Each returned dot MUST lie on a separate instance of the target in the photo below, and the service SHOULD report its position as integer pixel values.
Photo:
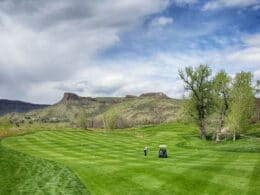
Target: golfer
(145, 150)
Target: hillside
(145, 109)
(127, 111)
(9, 106)
(112, 112)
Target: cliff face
(9, 106)
(155, 95)
(70, 97)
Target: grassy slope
(141, 110)
(145, 109)
(23, 174)
(113, 163)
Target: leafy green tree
(186, 112)
(109, 120)
(242, 103)
(257, 87)
(200, 102)
(221, 88)
(82, 119)
(257, 92)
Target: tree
(82, 120)
(221, 88)
(109, 120)
(257, 87)
(242, 103)
(197, 81)
(257, 91)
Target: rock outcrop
(70, 97)
(156, 95)
(130, 96)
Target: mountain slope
(130, 110)
(9, 106)
(109, 112)
(142, 110)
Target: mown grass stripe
(112, 163)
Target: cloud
(185, 2)
(161, 21)
(256, 7)
(219, 4)
(252, 40)
(49, 47)
(120, 77)
(158, 72)
(50, 41)
(247, 56)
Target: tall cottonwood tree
(197, 81)
(242, 103)
(221, 89)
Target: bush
(109, 120)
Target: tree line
(230, 99)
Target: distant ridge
(9, 106)
(72, 97)
(128, 111)
(153, 94)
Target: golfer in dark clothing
(145, 151)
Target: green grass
(113, 163)
(254, 130)
(23, 174)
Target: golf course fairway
(114, 163)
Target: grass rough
(24, 174)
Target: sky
(120, 47)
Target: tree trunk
(217, 137)
(221, 126)
(202, 131)
(234, 135)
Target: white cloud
(161, 21)
(252, 40)
(50, 41)
(54, 48)
(158, 72)
(185, 2)
(218, 4)
(249, 55)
